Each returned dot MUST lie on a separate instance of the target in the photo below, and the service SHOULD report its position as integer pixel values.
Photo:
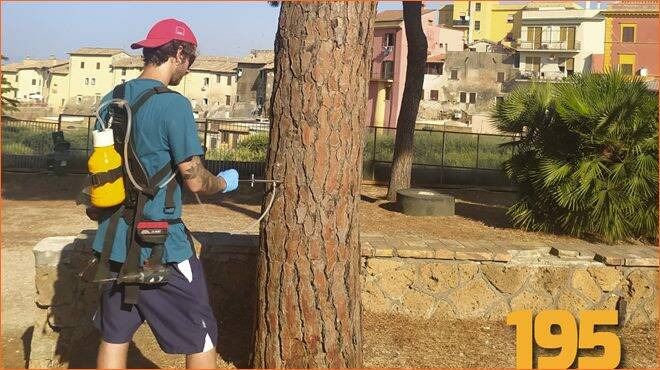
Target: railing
(439, 158)
(547, 45)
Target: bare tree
(412, 93)
(308, 308)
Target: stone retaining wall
(435, 279)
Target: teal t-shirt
(163, 131)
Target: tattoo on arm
(210, 184)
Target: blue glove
(231, 179)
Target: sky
(41, 29)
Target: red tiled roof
(435, 58)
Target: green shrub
(587, 163)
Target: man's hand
(231, 179)
(199, 180)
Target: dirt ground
(35, 206)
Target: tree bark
(412, 93)
(308, 308)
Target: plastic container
(103, 159)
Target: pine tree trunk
(412, 93)
(308, 308)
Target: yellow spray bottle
(103, 159)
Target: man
(164, 131)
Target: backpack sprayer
(109, 172)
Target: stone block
(498, 311)
(466, 271)
(55, 285)
(417, 303)
(572, 301)
(473, 298)
(438, 277)
(641, 261)
(451, 243)
(651, 308)
(608, 255)
(373, 299)
(533, 298)
(376, 266)
(443, 310)
(395, 283)
(470, 254)
(607, 277)
(366, 249)
(637, 287)
(585, 284)
(608, 302)
(415, 252)
(383, 251)
(550, 278)
(507, 279)
(500, 253)
(53, 250)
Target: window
(82, 65)
(34, 82)
(628, 33)
(473, 98)
(434, 68)
(477, 25)
(388, 92)
(388, 40)
(477, 7)
(227, 99)
(54, 91)
(387, 70)
(627, 63)
(454, 74)
(224, 138)
(238, 98)
(123, 71)
(78, 99)
(533, 64)
(98, 65)
(434, 95)
(463, 97)
(206, 101)
(228, 80)
(500, 76)
(218, 78)
(87, 81)
(93, 81)
(206, 81)
(62, 104)
(214, 142)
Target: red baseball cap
(165, 31)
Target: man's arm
(198, 179)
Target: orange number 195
(568, 340)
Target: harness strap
(103, 271)
(102, 178)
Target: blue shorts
(177, 312)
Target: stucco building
(555, 42)
(631, 38)
(389, 63)
(29, 78)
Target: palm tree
(587, 160)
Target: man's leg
(202, 360)
(112, 356)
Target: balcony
(461, 23)
(523, 45)
(548, 76)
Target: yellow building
(489, 20)
(211, 83)
(58, 90)
(29, 78)
(90, 71)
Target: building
(249, 70)
(211, 85)
(265, 88)
(30, 78)
(631, 38)
(390, 50)
(463, 94)
(58, 90)
(485, 20)
(91, 72)
(555, 42)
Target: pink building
(631, 38)
(390, 53)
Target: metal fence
(439, 157)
